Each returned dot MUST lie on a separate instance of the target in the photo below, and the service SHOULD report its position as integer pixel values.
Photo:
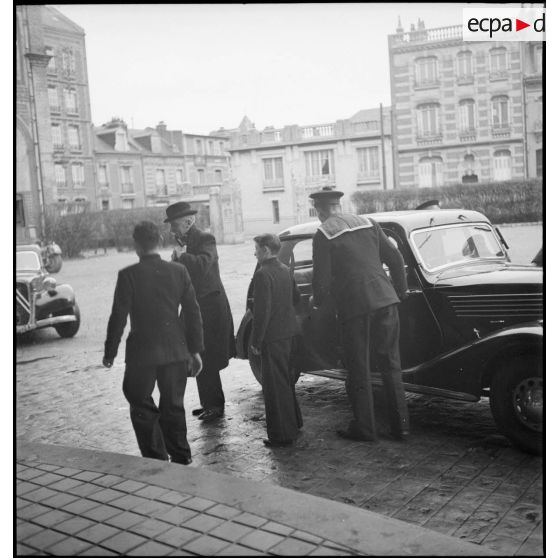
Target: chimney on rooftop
(161, 127)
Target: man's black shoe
(210, 415)
(349, 435)
(398, 436)
(277, 443)
(197, 412)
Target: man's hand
(403, 296)
(197, 364)
(177, 252)
(255, 350)
(107, 363)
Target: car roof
(409, 220)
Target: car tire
(54, 263)
(69, 329)
(516, 401)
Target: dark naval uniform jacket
(348, 252)
(151, 292)
(202, 262)
(275, 295)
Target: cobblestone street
(456, 475)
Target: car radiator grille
(524, 306)
(22, 304)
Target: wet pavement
(456, 475)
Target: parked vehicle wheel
(516, 400)
(54, 263)
(69, 329)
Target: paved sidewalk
(80, 502)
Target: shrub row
(506, 202)
(75, 228)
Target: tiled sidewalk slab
(206, 513)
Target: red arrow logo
(519, 25)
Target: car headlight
(36, 283)
(49, 284)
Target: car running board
(341, 374)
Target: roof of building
(51, 17)
(366, 115)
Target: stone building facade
(54, 138)
(277, 169)
(463, 112)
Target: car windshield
(442, 246)
(27, 261)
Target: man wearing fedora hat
(348, 253)
(198, 252)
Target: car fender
(61, 298)
(469, 368)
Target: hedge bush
(505, 202)
(75, 228)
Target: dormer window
(121, 141)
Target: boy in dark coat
(198, 253)
(275, 324)
(161, 347)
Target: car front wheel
(516, 400)
(69, 329)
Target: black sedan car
(470, 328)
(39, 301)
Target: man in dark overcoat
(161, 347)
(273, 329)
(348, 252)
(198, 253)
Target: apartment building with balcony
(278, 168)
(463, 112)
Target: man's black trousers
(376, 333)
(160, 431)
(282, 413)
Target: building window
(502, 165)
(430, 172)
(201, 176)
(469, 176)
(199, 149)
(211, 148)
(160, 182)
(368, 162)
(105, 205)
(179, 176)
(428, 120)
(51, 68)
(244, 140)
(464, 64)
(78, 177)
(273, 169)
(426, 70)
(538, 58)
(221, 148)
(59, 175)
(68, 61)
(540, 166)
(467, 115)
(218, 176)
(498, 60)
(73, 137)
(103, 176)
(500, 112)
(57, 135)
(19, 213)
(71, 100)
(128, 204)
(275, 211)
(319, 163)
(126, 180)
(53, 100)
(121, 141)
